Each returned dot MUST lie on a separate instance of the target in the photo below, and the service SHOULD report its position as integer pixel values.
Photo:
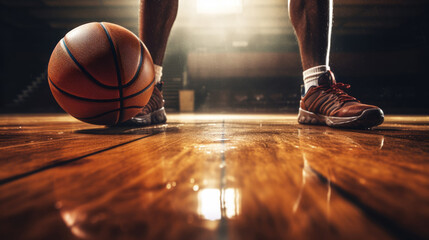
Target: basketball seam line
(118, 72)
(137, 74)
(100, 100)
(94, 80)
(111, 111)
(84, 70)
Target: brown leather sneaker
(153, 113)
(328, 104)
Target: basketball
(101, 73)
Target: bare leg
(156, 19)
(325, 101)
(312, 21)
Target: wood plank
(138, 199)
(277, 179)
(233, 176)
(386, 174)
(29, 143)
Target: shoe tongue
(327, 79)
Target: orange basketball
(101, 73)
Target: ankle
(311, 76)
(158, 73)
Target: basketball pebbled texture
(101, 73)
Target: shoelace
(339, 90)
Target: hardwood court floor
(213, 177)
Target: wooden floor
(213, 177)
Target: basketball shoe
(329, 104)
(153, 113)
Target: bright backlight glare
(219, 6)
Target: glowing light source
(219, 6)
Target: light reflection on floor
(199, 171)
(212, 202)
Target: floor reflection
(72, 220)
(316, 144)
(193, 192)
(288, 181)
(124, 130)
(214, 204)
(306, 174)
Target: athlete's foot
(328, 104)
(153, 113)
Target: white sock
(158, 73)
(311, 76)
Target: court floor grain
(213, 177)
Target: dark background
(246, 61)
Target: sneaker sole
(367, 119)
(157, 117)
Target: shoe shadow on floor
(130, 130)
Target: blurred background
(232, 55)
